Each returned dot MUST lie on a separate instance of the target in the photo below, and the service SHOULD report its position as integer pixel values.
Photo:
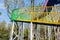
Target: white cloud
(2, 6)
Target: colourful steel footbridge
(37, 15)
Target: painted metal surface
(26, 14)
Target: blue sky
(4, 16)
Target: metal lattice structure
(27, 15)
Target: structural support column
(55, 33)
(45, 31)
(29, 32)
(12, 30)
(22, 33)
(19, 32)
(58, 34)
(31, 35)
(38, 32)
(49, 32)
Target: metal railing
(35, 14)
